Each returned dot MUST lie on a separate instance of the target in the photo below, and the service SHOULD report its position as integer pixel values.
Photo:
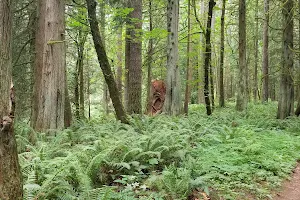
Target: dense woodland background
(80, 63)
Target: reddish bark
(157, 97)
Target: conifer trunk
(10, 174)
(265, 68)
(173, 99)
(221, 87)
(242, 98)
(286, 93)
(50, 72)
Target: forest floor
(229, 155)
(290, 189)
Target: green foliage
(228, 154)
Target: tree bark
(201, 56)
(10, 174)
(104, 64)
(207, 57)
(222, 96)
(173, 100)
(189, 70)
(120, 61)
(134, 57)
(297, 112)
(50, 75)
(242, 98)
(265, 68)
(149, 61)
(255, 91)
(286, 94)
(102, 11)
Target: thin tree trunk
(173, 99)
(242, 98)
(265, 92)
(81, 40)
(103, 35)
(255, 91)
(76, 90)
(10, 174)
(104, 64)
(201, 56)
(286, 95)
(222, 96)
(189, 70)
(149, 61)
(120, 60)
(207, 57)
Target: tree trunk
(242, 98)
(76, 90)
(207, 57)
(286, 94)
(297, 112)
(81, 43)
(134, 57)
(102, 11)
(173, 101)
(104, 64)
(50, 75)
(201, 56)
(189, 70)
(255, 91)
(120, 61)
(10, 174)
(149, 62)
(265, 72)
(222, 96)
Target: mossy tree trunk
(286, 93)
(10, 175)
(104, 63)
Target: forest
(149, 99)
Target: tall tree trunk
(10, 174)
(286, 94)
(297, 112)
(242, 98)
(104, 64)
(255, 91)
(120, 60)
(102, 11)
(207, 57)
(189, 69)
(149, 61)
(50, 75)
(173, 101)
(201, 56)
(222, 96)
(81, 40)
(134, 57)
(265, 72)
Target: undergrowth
(228, 155)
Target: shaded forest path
(290, 189)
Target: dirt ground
(291, 188)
